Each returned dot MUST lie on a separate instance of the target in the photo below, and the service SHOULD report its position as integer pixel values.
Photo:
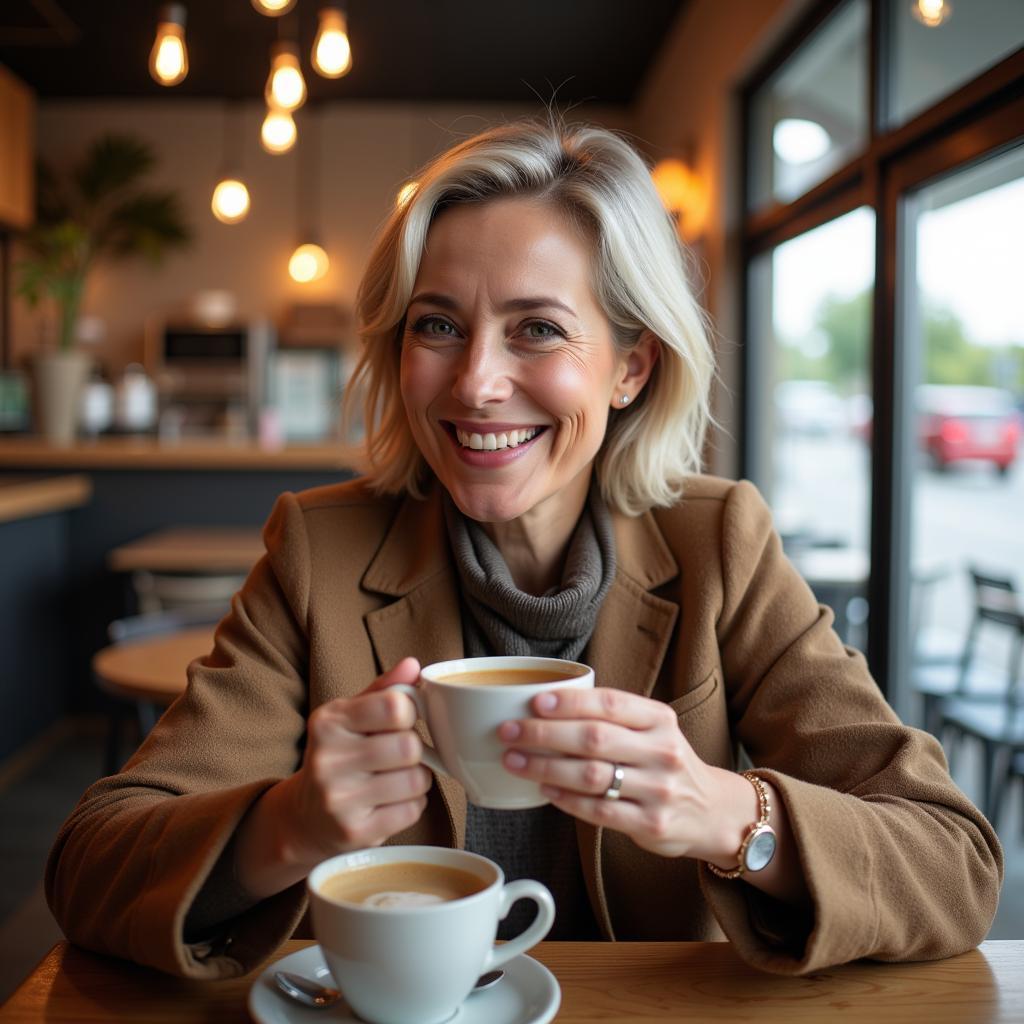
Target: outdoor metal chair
(968, 677)
(998, 725)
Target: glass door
(810, 305)
(961, 330)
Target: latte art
(402, 899)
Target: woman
(536, 376)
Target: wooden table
(191, 549)
(24, 497)
(600, 982)
(154, 668)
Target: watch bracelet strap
(764, 810)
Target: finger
(604, 702)
(584, 777)
(406, 671)
(397, 786)
(622, 815)
(380, 711)
(385, 751)
(588, 738)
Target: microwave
(214, 379)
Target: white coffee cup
(463, 720)
(416, 964)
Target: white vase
(60, 378)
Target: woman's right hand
(361, 781)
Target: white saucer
(528, 994)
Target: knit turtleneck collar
(499, 618)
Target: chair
(135, 629)
(998, 725)
(932, 645)
(161, 591)
(1017, 771)
(967, 678)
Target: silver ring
(613, 791)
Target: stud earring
(624, 399)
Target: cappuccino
(402, 884)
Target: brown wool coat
(705, 613)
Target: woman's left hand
(670, 801)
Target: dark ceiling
(407, 50)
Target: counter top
(190, 453)
(22, 497)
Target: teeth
(495, 442)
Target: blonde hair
(603, 186)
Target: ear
(635, 369)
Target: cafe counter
(69, 507)
(150, 453)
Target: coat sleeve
(129, 862)
(898, 862)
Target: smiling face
(508, 367)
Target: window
(811, 116)
(813, 294)
(884, 346)
(938, 46)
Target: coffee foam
(402, 899)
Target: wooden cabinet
(17, 152)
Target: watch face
(760, 850)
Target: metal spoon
(311, 993)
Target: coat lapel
(626, 651)
(632, 633)
(412, 565)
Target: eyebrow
(513, 305)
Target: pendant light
(931, 13)
(168, 60)
(230, 201)
(332, 52)
(286, 88)
(278, 133)
(309, 261)
(273, 8)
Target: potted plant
(99, 210)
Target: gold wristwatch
(758, 846)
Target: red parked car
(968, 423)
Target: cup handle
(524, 888)
(430, 755)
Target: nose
(483, 374)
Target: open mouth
(493, 442)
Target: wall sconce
(168, 60)
(681, 193)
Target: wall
(688, 106)
(367, 150)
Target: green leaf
(113, 163)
